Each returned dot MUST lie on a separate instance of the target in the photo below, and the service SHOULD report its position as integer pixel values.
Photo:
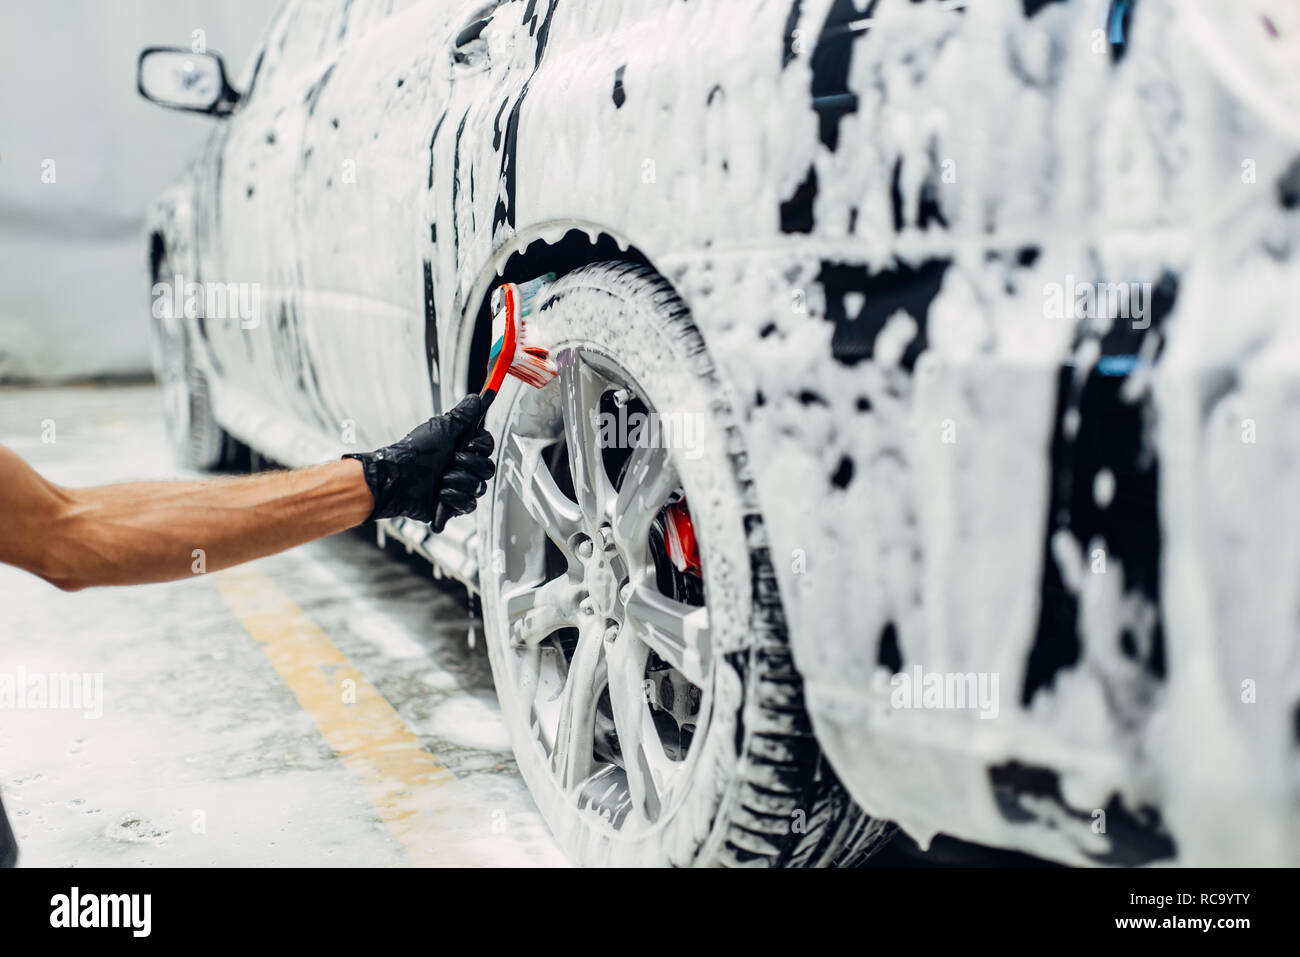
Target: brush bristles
(530, 363)
(528, 292)
(533, 366)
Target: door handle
(469, 48)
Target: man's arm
(148, 531)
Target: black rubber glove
(439, 470)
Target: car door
(364, 233)
(268, 359)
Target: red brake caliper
(679, 538)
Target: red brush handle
(495, 377)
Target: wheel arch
(157, 250)
(171, 229)
(558, 248)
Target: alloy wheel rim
(613, 672)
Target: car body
(868, 209)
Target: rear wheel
(636, 635)
(192, 429)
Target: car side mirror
(181, 79)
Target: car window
(308, 31)
(359, 16)
(247, 81)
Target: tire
(192, 430)
(741, 780)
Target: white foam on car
(1132, 168)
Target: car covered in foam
(971, 326)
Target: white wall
(74, 290)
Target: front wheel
(635, 631)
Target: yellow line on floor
(414, 795)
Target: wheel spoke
(530, 670)
(572, 758)
(636, 732)
(533, 612)
(648, 479)
(532, 481)
(581, 387)
(677, 632)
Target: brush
(511, 354)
